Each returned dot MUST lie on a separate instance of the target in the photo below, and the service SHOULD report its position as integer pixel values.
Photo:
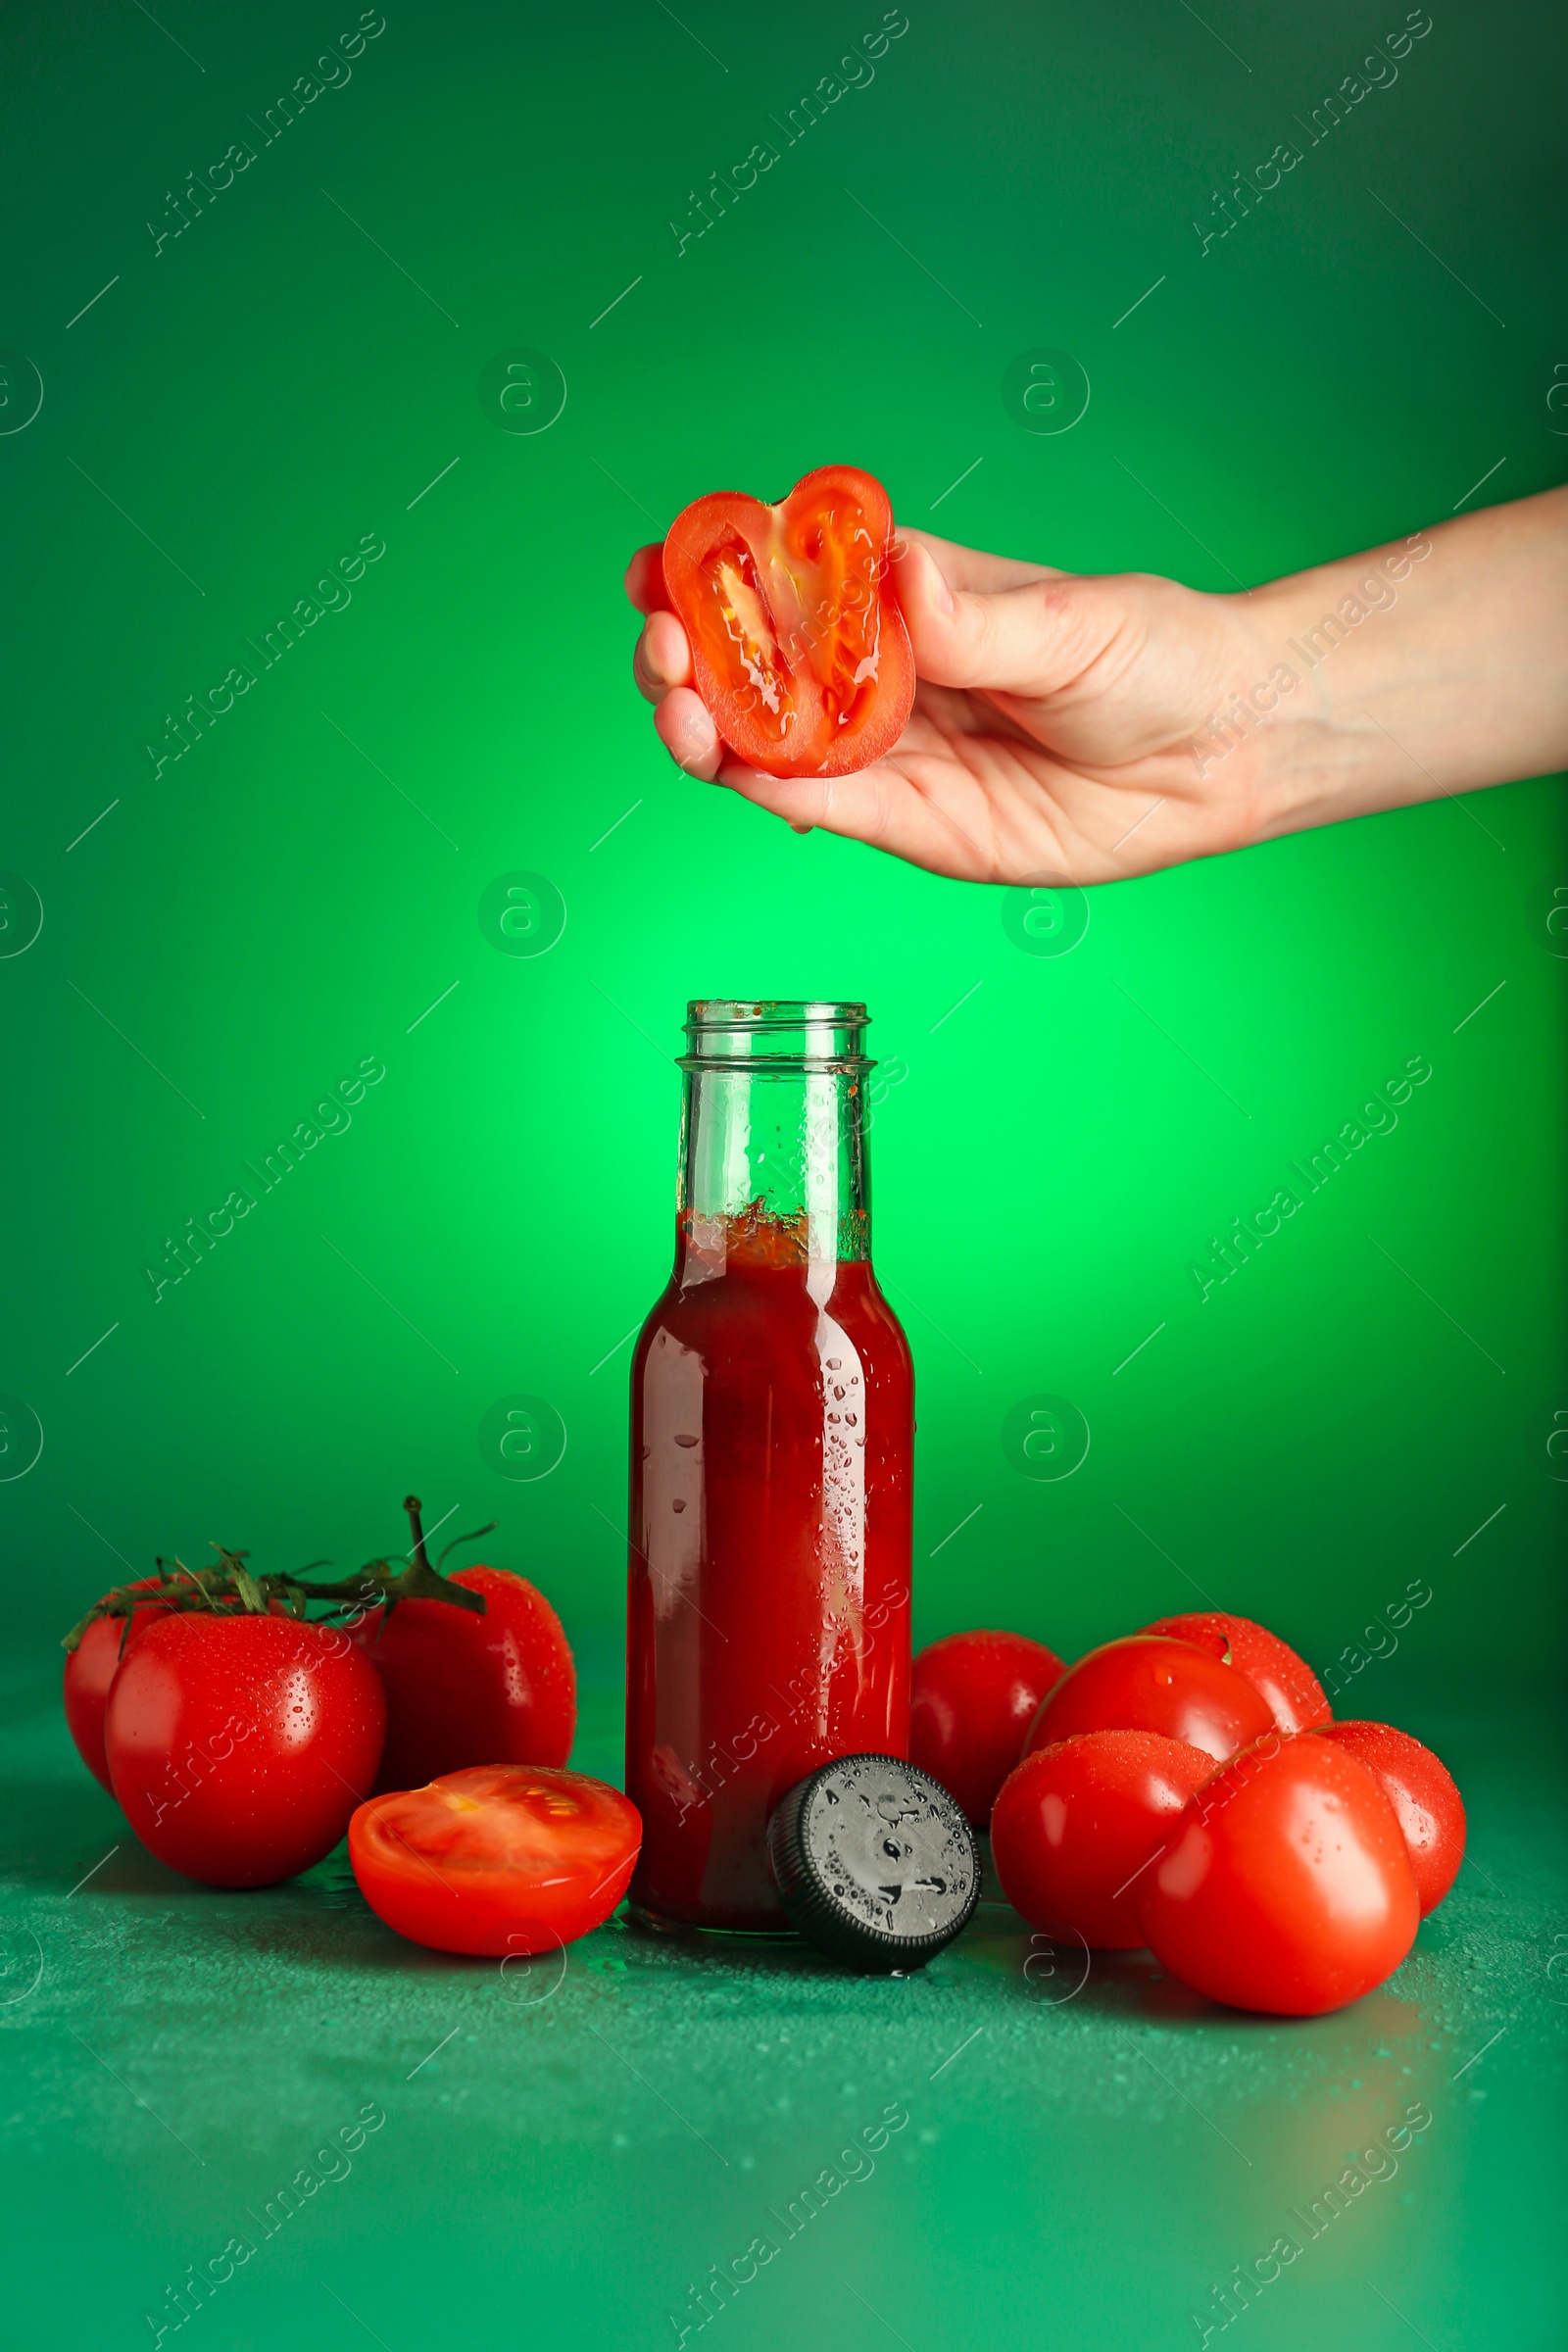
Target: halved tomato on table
(500, 1858)
(799, 649)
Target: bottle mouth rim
(741, 1015)
(739, 1034)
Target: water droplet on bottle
(684, 1441)
(678, 1504)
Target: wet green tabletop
(999, 2152)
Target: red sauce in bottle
(771, 1447)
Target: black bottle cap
(874, 1863)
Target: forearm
(1437, 663)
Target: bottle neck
(773, 1171)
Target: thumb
(1023, 640)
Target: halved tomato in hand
(1284, 1885)
(1142, 1683)
(1426, 1801)
(1286, 1680)
(799, 649)
(501, 1859)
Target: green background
(1061, 1138)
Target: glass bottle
(772, 1450)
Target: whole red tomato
(971, 1699)
(1285, 1885)
(501, 1859)
(799, 649)
(462, 1689)
(1427, 1805)
(1145, 1682)
(1286, 1680)
(1075, 1825)
(239, 1745)
(91, 1667)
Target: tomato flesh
(462, 1689)
(497, 1859)
(1145, 1682)
(1285, 1885)
(239, 1746)
(1286, 1680)
(1076, 1823)
(799, 649)
(1426, 1801)
(971, 1698)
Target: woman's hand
(1052, 725)
(1086, 728)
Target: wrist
(1433, 664)
(1337, 673)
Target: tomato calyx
(418, 1579)
(230, 1589)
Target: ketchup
(771, 1445)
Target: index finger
(645, 579)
